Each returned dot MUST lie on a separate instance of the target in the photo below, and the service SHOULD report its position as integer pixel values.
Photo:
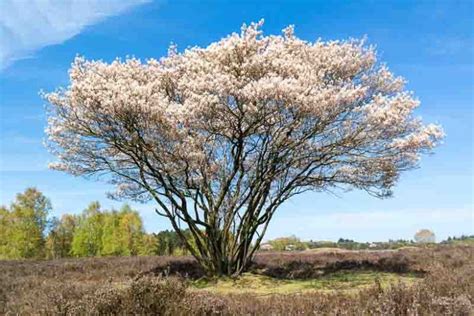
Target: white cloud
(29, 25)
(449, 46)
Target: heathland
(425, 280)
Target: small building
(290, 247)
(266, 247)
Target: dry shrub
(187, 268)
(429, 297)
(144, 296)
(143, 285)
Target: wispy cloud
(27, 26)
(449, 46)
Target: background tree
(27, 232)
(132, 232)
(287, 243)
(220, 137)
(87, 240)
(122, 233)
(424, 236)
(148, 246)
(24, 224)
(4, 232)
(108, 233)
(167, 242)
(111, 240)
(61, 234)
(52, 244)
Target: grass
(260, 284)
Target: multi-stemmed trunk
(227, 260)
(226, 249)
(220, 254)
(222, 261)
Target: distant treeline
(460, 239)
(28, 231)
(294, 243)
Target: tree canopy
(425, 236)
(23, 226)
(27, 230)
(219, 137)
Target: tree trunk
(222, 259)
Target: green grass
(260, 284)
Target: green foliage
(122, 233)
(148, 245)
(87, 239)
(23, 225)
(4, 232)
(287, 243)
(110, 243)
(27, 232)
(131, 230)
(170, 244)
(59, 240)
(109, 233)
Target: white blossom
(241, 124)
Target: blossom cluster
(307, 114)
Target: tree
(168, 242)
(111, 239)
(4, 232)
(122, 232)
(132, 231)
(424, 236)
(148, 246)
(23, 225)
(60, 237)
(87, 240)
(108, 233)
(220, 137)
(52, 244)
(287, 243)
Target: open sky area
(430, 43)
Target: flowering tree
(220, 137)
(424, 236)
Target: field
(411, 281)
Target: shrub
(140, 286)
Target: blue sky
(430, 43)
